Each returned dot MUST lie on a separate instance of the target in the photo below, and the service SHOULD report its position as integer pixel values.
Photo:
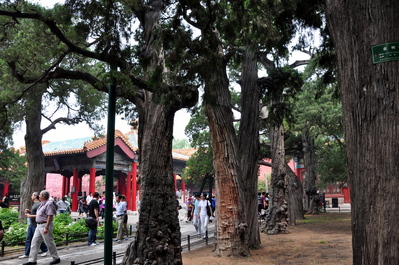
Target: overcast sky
(65, 132)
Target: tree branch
(59, 120)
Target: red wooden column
(68, 186)
(92, 183)
(6, 188)
(75, 194)
(122, 183)
(64, 186)
(134, 186)
(129, 190)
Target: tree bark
(371, 118)
(294, 193)
(249, 142)
(277, 213)
(232, 234)
(158, 238)
(158, 235)
(34, 180)
(310, 175)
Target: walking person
(196, 218)
(190, 206)
(203, 214)
(120, 215)
(31, 218)
(93, 219)
(63, 205)
(44, 230)
(125, 218)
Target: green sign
(385, 52)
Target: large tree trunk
(34, 180)
(371, 112)
(310, 175)
(277, 214)
(158, 236)
(249, 142)
(294, 193)
(232, 235)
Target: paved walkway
(82, 252)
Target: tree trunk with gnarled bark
(34, 180)
(370, 95)
(294, 193)
(277, 212)
(232, 235)
(310, 175)
(249, 142)
(158, 235)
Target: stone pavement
(82, 252)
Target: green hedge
(15, 232)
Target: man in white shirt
(120, 214)
(89, 198)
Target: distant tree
(180, 144)
(12, 167)
(28, 55)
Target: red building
(339, 191)
(76, 167)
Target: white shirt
(63, 205)
(89, 198)
(203, 205)
(120, 208)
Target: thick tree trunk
(158, 236)
(277, 214)
(371, 112)
(294, 193)
(232, 234)
(34, 180)
(249, 142)
(310, 175)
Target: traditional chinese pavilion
(85, 157)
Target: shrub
(8, 216)
(16, 234)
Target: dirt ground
(319, 239)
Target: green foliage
(261, 186)
(332, 166)
(16, 234)
(8, 216)
(199, 164)
(180, 144)
(321, 114)
(13, 167)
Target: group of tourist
(94, 213)
(199, 211)
(40, 219)
(40, 224)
